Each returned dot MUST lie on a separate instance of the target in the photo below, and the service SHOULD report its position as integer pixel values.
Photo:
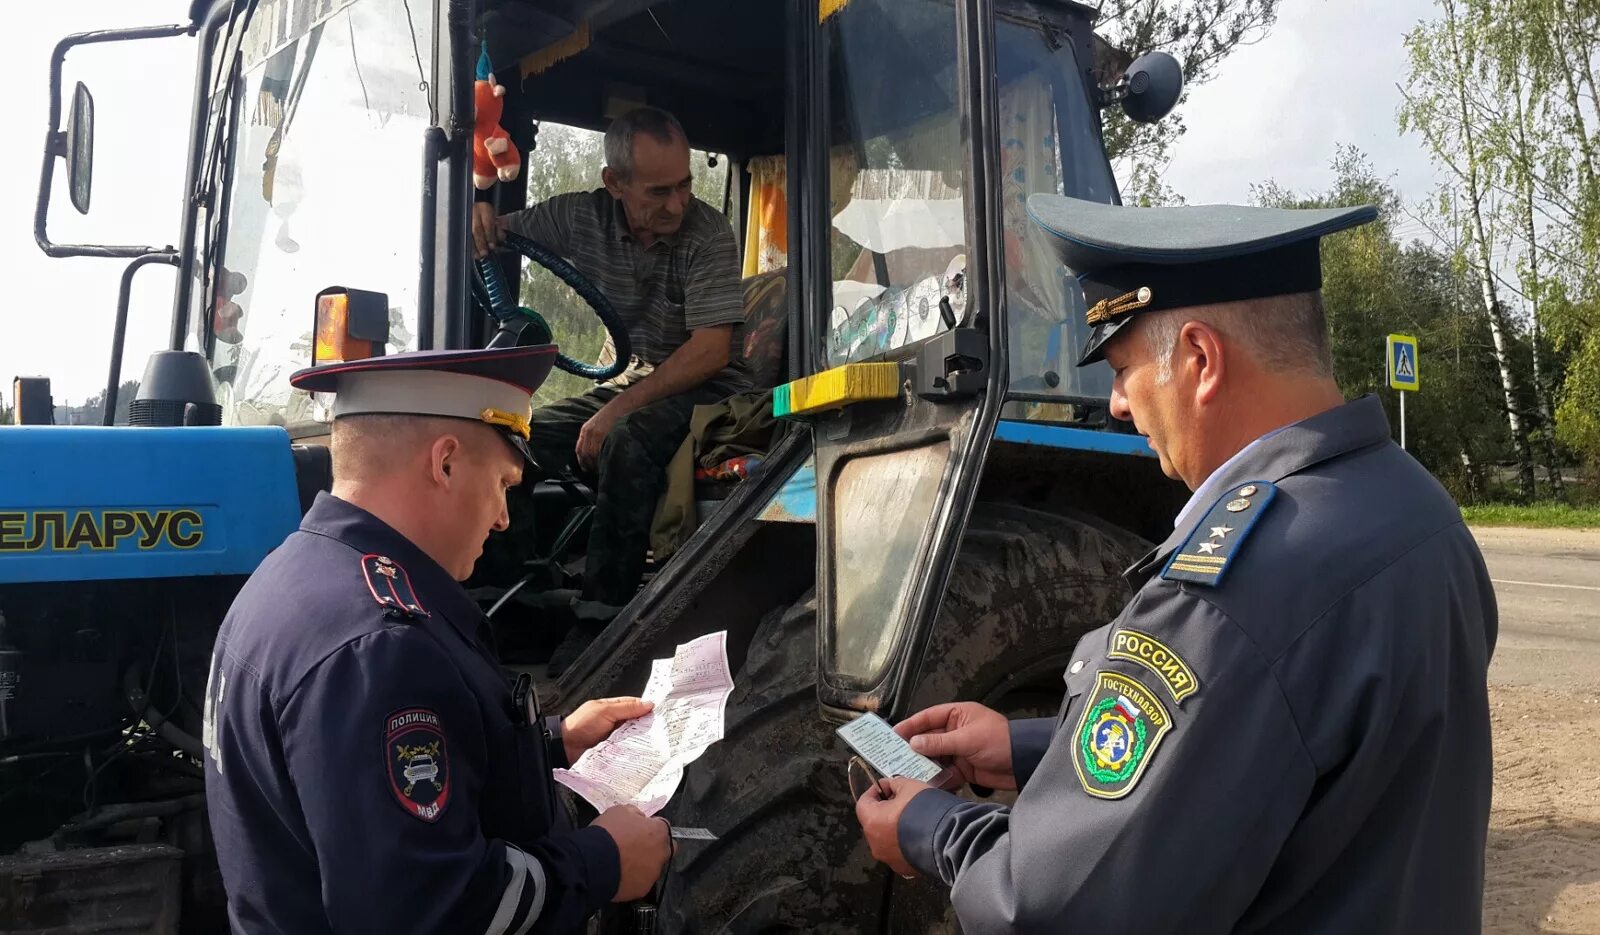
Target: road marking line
(1543, 584)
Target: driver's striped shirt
(685, 281)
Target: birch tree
(1439, 103)
(1516, 124)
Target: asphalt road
(1548, 585)
(1543, 855)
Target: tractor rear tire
(789, 855)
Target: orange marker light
(333, 341)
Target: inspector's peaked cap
(1134, 260)
(493, 386)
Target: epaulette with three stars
(391, 587)
(1205, 557)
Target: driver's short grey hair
(619, 136)
(1284, 334)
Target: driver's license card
(871, 737)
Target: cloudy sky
(57, 317)
(1277, 110)
(1327, 75)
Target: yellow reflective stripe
(830, 389)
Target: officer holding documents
(1287, 729)
(369, 768)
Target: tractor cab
(837, 148)
(924, 498)
(874, 222)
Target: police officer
(368, 766)
(1287, 729)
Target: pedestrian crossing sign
(1403, 362)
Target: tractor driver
(669, 265)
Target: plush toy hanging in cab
(494, 156)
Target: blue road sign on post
(1403, 362)
(1401, 355)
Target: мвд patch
(1121, 725)
(418, 762)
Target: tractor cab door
(903, 272)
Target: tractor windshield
(898, 185)
(899, 214)
(321, 172)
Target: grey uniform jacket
(1286, 730)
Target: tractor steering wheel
(520, 325)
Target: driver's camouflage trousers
(632, 472)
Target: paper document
(642, 762)
(875, 741)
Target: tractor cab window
(1049, 142)
(321, 182)
(899, 218)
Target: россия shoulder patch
(1158, 657)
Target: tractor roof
(719, 67)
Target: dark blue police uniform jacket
(367, 767)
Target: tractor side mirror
(1153, 84)
(74, 140)
(80, 148)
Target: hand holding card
(886, 754)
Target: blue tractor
(944, 508)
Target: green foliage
(1198, 33)
(1145, 187)
(1578, 413)
(1547, 514)
(1503, 95)
(92, 410)
(1373, 285)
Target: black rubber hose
(164, 728)
(107, 815)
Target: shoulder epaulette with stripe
(1210, 548)
(391, 587)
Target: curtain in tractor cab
(512, 29)
(767, 231)
(766, 239)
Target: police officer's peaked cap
(1132, 260)
(492, 386)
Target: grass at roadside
(1537, 515)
